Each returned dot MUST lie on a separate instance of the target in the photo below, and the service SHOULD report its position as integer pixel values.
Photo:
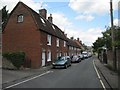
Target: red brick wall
(53, 48)
(22, 36)
(26, 37)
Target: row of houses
(37, 36)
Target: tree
(4, 14)
(106, 40)
(98, 43)
(117, 37)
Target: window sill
(49, 44)
(48, 60)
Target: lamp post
(113, 39)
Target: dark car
(76, 59)
(62, 62)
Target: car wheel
(53, 67)
(65, 66)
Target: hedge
(17, 58)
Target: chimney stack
(78, 39)
(50, 19)
(66, 35)
(43, 13)
(72, 38)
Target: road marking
(28, 79)
(99, 76)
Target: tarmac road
(79, 75)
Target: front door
(43, 58)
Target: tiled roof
(44, 25)
(72, 43)
(80, 44)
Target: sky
(84, 19)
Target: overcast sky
(84, 19)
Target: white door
(43, 58)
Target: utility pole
(113, 37)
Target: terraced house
(33, 33)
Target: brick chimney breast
(50, 18)
(43, 13)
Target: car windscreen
(75, 56)
(59, 59)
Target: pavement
(14, 75)
(108, 75)
(9, 76)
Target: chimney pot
(50, 18)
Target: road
(79, 75)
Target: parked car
(76, 59)
(89, 54)
(81, 56)
(62, 62)
(85, 54)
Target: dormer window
(53, 27)
(64, 43)
(42, 20)
(20, 18)
(48, 39)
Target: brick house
(79, 42)
(33, 33)
(73, 47)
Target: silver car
(76, 59)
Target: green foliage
(106, 40)
(117, 37)
(100, 42)
(17, 58)
(4, 14)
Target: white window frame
(60, 54)
(57, 42)
(57, 55)
(49, 39)
(72, 48)
(64, 54)
(64, 43)
(20, 18)
(49, 55)
(69, 47)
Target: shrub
(17, 58)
